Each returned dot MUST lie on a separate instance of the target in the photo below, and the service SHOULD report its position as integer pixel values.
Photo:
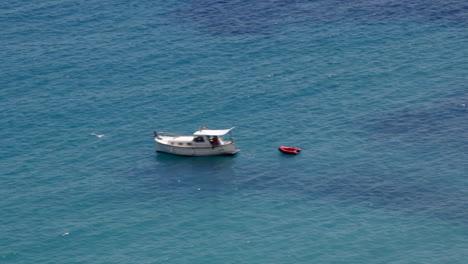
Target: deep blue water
(374, 92)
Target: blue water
(374, 92)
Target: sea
(374, 92)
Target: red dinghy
(289, 150)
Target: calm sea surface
(375, 93)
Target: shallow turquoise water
(373, 92)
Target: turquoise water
(374, 92)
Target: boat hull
(289, 150)
(229, 149)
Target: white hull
(229, 149)
(204, 142)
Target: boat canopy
(212, 132)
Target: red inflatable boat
(289, 150)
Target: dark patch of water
(393, 190)
(260, 17)
(234, 17)
(443, 125)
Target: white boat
(204, 142)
